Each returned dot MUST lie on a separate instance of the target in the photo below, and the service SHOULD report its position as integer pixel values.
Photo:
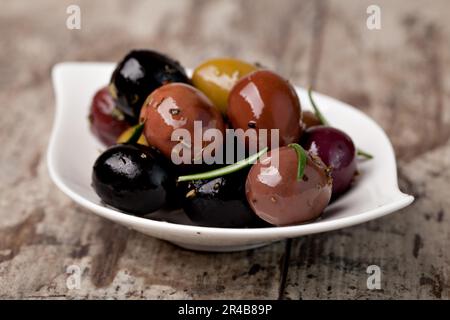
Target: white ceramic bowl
(73, 150)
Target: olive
(278, 197)
(180, 107)
(132, 178)
(310, 120)
(126, 135)
(106, 121)
(219, 202)
(138, 74)
(216, 77)
(336, 149)
(264, 100)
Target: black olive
(138, 74)
(132, 178)
(219, 202)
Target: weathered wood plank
(41, 231)
(398, 76)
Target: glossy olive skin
(106, 121)
(264, 100)
(310, 120)
(216, 77)
(337, 150)
(176, 106)
(138, 74)
(132, 178)
(275, 194)
(219, 202)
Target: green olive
(216, 77)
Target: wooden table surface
(399, 75)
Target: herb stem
(317, 112)
(224, 170)
(363, 154)
(302, 158)
(136, 133)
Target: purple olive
(336, 149)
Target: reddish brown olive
(177, 106)
(310, 120)
(264, 100)
(278, 197)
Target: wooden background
(399, 75)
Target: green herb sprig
(224, 170)
(136, 133)
(302, 158)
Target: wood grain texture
(399, 75)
